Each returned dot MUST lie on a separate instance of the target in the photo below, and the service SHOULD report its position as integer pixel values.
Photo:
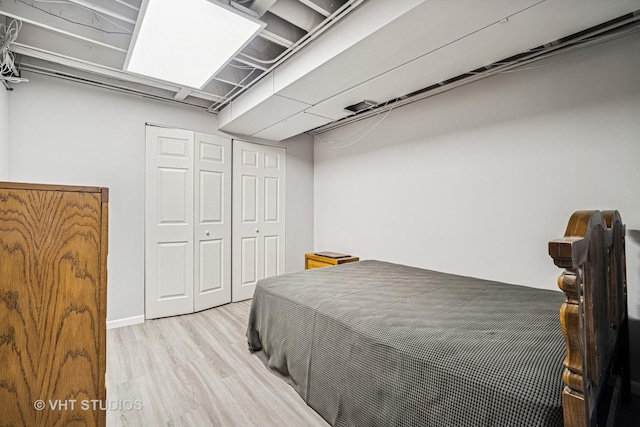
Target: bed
(379, 344)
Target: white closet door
(169, 222)
(258, 215)
(212, 275)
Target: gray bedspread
(378, 344)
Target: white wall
(4, 134)
(68, 133)
(477, 180)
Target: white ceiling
(314, 57)
(89, 40)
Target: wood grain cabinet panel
(53, 252)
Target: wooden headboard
(594, 315)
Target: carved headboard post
(594, 315)
(573, 402)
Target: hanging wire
(567, 47)
(127, 32)
(367, 129)
(95, 13)
(589, 42)
(226, 97)
(9, 34)
(242, 67)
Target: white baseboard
(127, 321)
(635, 388)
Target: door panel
(213, 151)
(249, 191)
(271, 199)
(249, 261)
(173, 184)
(213, 221)
(211, 197)
(171, 146)
(169, 222)
(273, 225)
(249, 157)
(172, 270)
(188, 222)
(271, 161)
(258, 215)
(211, 265)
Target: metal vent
(361, 106)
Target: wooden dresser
(318, 260)
(53, 289)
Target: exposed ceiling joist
(250, 63)
(282, 28)
(93, 37)
(97, 71)
(236, 76)
(316, 7)
(49, 41)
(274, 38)
(219, 88)
(324, 7)
(261, 6)
(308, 57)
(131, 4)
(114, 84)
(113, 37)
(128, 16)
(182, 94)
(297, 13)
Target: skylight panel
(188, 41)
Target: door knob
(257, 231)
(206, 233)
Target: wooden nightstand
(326, 259)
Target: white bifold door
(188, 221)
(258, 215)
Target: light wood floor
(195, 370)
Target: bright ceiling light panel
(188, 41)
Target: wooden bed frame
(593, 317)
